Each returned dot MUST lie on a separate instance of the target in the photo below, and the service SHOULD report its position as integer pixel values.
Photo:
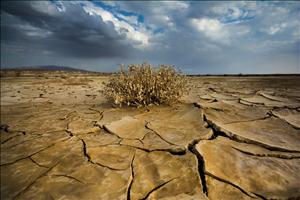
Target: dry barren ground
(231, 138)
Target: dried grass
(141, 85)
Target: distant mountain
(46, 68)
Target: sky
(196, 37)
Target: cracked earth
(230, 138)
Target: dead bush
(141, 85)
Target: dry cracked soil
(230, 138)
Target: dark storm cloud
(74, 33)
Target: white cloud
(234, 12)
(174, 5)
(218, 32)
(211, 28)
(45, 7)
(162, 13)
(273, 29)
(140, 37)
(164, 20)
(282, 27)
(130, 19)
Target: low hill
(45, 68)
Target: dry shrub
(141, 85)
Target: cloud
(199, 37)
(216, 31)
(234, 12)
(275, 28)
(61, 33)
(138, 35)
(158, 14)
(212, 29)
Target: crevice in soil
(84, 149)
(69, 132)
(213, 90)
(69, 177)
(197, 105)
(277, 116)
(264, 198)
(37, 163)
(253, 103)
(177, 152)
(24, 141)
(245, 104)
(214, 128)
(147, 127)
(135, 139)
(201, 166)
(13, 162)
(232, 184)
(108, 131)
(34, 181)
(156, 188)
(105, 166)
(219, 132)
(114, 134)
(131, 178)
(251, 120)
(282, 156)
(269, 98)
(99, 112)
(209, 100)
(8, 139)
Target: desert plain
(230, 138)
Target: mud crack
(251, 120)
(131, 178)
(218, 131)
(269, 98)
(115, 134)
(19, 134)
(230, 183)
(97, 111)
(24, 141)
(84, 149)
(147, 127)
(68, 130)
(108, 131)
(268, 154)
(34, 181)
(68, 176)
(279, 117)
(32, 160)
(178, 151)
(201, 166)
(29, 156)
(156, 188)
